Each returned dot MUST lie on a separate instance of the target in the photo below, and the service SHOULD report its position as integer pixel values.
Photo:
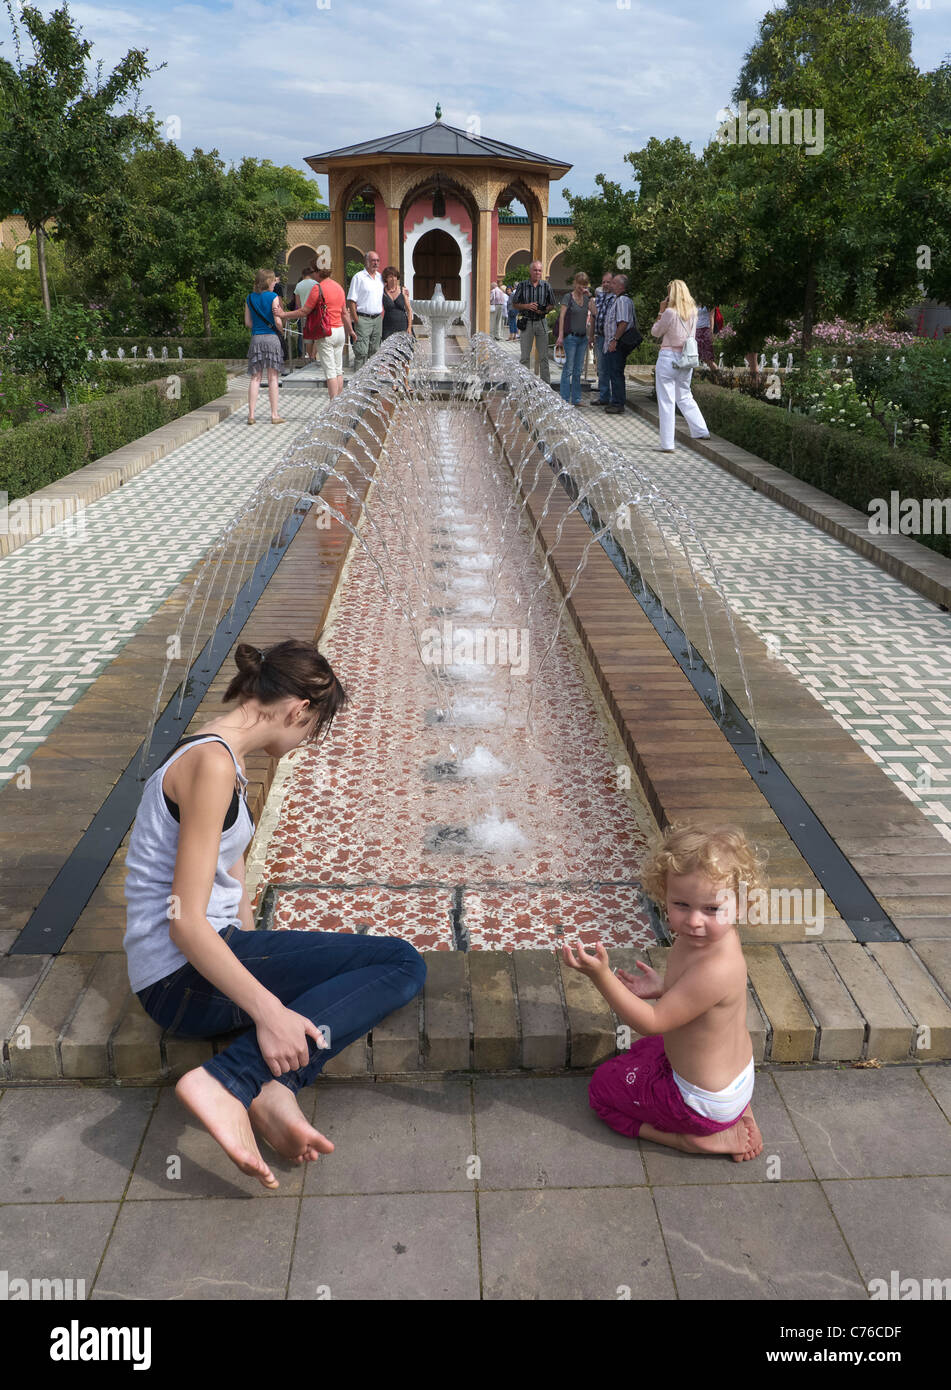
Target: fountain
(463, 779)
(439, 314)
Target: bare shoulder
(208, 766)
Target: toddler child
(688, 1081)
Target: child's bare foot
(226, 1120)
(277, 1117)
(754, 1137)
(741, 1141)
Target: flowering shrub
(842, 335)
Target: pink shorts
(638, 1087)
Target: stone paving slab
(867, 1124)
(483, 1188)
(901, 1224)
(756, 1241)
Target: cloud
(580, 82)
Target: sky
(583, 82)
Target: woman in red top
(329, 350)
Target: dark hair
(392, 270)
(290, 668)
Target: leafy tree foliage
(62, 141)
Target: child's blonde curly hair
(723, 855)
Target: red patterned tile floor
(474, 754)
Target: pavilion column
(338, 262)
(480, 319)
(394, 249)
(539, 240)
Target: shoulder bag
(689, 357)
(318, 320)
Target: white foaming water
(470, 583)
(481, 763)
(475, 608)
(481, 713)
(467, 543)
(473, 562)
(493, 835)
(471, 671)
(451, 514)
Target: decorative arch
(420, 186)
(464, 243)
(560, 272)
(517, 258)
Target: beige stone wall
(513, 238)
(13, 230)
(314, 234)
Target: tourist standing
(498, 308)
(575, 332)
(397, 310)
(301, 290)
(265, 316)
(512, 315)
(365, 302)
(705, 334)
(604, 298)
(619, 318)
(200, 969)
(327, 294)
(676, 322)
(534, 298)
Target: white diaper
(721, 1106)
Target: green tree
(174, 218)
(769, 58)
(62, 142)
(601, 224)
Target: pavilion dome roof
(437, 141)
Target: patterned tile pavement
(72, 598)
(876, 654)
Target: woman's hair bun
(247, 658)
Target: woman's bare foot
(277, 1117)
(226, 1120)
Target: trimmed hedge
(40, 452)
(852, 469)
(228, 345)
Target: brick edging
(492, 1011)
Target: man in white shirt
(365, 302)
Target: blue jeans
(513, 322)
(343, 982)
(604, 388)
(575, 347)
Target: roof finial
(438, 112)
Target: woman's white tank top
(150, 869)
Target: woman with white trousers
(676, 322)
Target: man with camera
(534, 298)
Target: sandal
(251, 420)
(278, 420)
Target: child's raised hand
(589, 965)
(648, 985)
